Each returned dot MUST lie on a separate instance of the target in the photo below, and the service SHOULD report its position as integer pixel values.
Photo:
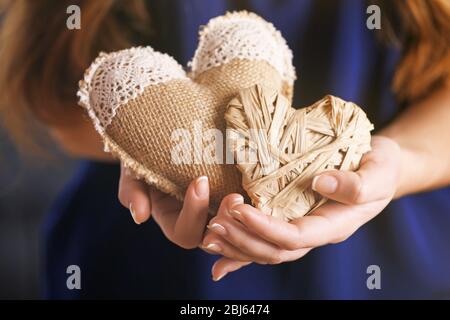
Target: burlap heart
(279, 149)
(145, 106)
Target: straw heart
(292, 146)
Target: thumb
(133, 194)
(367, 184)
(192, 220)
(341, 186)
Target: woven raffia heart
(145, 106)
(279, 149)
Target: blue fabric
(334, 53)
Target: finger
(370, 183)
(133, 194)
(334, 222)
(350, 187)
(223, 266)
(274, 230)
(242, 240)
(344, 219)
(191, 222)
(331, 223)
(214, 244)
(228, 202)
(165, 211)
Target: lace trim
(114, 79)
(242, 35)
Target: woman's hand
(242, 234)
(182, 223)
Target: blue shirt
(334, 53)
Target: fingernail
(217, 228)
(213, 247)
(234, 213)
(324, 184)
(219, 277)
(201, 186)
(133, 215)
(237, 201)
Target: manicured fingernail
(217, 228)
(213, 247)
(234, 213)
(219, 277)
(201, 186)
(324, 184)
(133, 215)
(237, 201)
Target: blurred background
(28, 187)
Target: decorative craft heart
(289, 147)
(146, 107)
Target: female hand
(182, 223)
(242, 234)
